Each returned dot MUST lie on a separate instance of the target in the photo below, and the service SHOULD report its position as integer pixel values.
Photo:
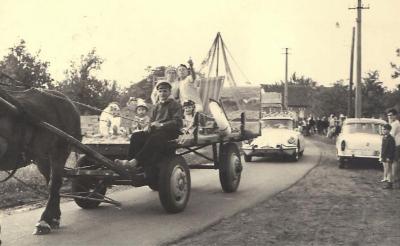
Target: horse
(23, 142)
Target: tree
(81, 85)
(302, 80)
(396, 68)
(26, 68)
(143, 88)
(330, 100)
(373, 93)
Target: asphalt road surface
(142, 220)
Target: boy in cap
(387, 156)
(148, 147)
(171, 77)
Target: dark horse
(22, 142)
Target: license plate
(364, 153)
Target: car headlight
(343, 145)
(291, 140)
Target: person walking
(395, 132)
(387, 156)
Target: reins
(10, 175)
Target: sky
(131, 35)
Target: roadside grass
(34, 188)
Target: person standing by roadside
(332, 126)
(395, 132)
(325, 125)
(387, 156)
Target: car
(359, 138)
(279, 137)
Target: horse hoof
(42, 228)
(55, 224)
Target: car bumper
(269, 151)
(370, 154)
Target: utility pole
(285, 91)
(350, 99)
(358, 101)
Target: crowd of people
(327, 126)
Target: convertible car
(278, 138)
(359, 138)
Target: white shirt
(189, 89)
(395, 132)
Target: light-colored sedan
(278, 137)
(360, 138)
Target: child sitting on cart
(141, 120)
(148, 147)
(189, 108)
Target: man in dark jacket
(149, 147)
(387, 156)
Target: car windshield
(373, 128)
(277, 123)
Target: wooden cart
(170, 177)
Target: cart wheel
(174, 184)
(247, 158)
(152, 178)
(85, 186)
(230, 167)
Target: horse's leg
(50, 218)
(44, 168)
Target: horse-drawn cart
(45, 135)
(170, 177)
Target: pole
(358, 101)
(285, 92)
(350, 99)
(216, 71)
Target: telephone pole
(350, 99)
(285, 92)
(358, 101)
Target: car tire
(247, 158)
(342, 163)
(295, 156)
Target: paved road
(142, 221)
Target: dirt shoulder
(330, 206)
